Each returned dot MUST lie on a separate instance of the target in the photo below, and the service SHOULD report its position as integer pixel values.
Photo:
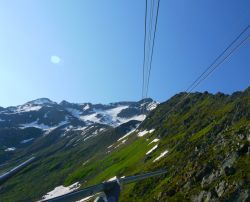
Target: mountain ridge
(204, 144)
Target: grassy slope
(202, 135)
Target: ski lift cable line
(149, 25)
(152, 51)
(147, 38)
(149, 42)
(217, 58)
(144, 55)
(243, 42)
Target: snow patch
(42, 101)
(60, 190)
(141, 118)
(86, 199)
(35, 124)
(151, 150)
(86, 107)
(161, 155)
(154, 140)
(10, 149)
(126, 135)
(110, 146)
(45, 115)
(142, 133)
(75, 112)
(109, 117)
(151, 106)
(123, 142)
(27, 140)
(27, 108)
(112, 179)
(42, 126)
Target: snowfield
(61, 190)
(152, 106)
(42, 126)
(109, 117)
(42, 101)
(27, 108)
(75, 112)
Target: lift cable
(205, 74)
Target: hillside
(204, 144)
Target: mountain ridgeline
(20, 126)
(203, 143)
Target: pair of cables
(232, 48)
(150, 27)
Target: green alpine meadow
(203, 143)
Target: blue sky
(100, 49)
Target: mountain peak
(41, 101)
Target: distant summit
(41, 101)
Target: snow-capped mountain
(24, 123)
(113, 114)
(44, 113)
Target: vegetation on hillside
(208, 142)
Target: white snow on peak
(27, 108)
(86, 107)
(90, 118)
(10, 149)
(154, 140)
(60, 190)
(42, 101)
(27, 140)
(34, 105)
(151, 106)
(109, 117)
(142, 133)
(161, 155)
(151, 150)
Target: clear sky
(92, 50)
